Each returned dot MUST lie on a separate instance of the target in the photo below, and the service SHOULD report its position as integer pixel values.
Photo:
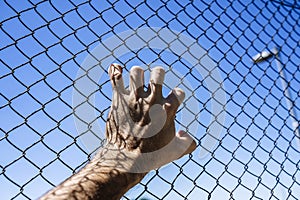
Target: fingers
(172, 102)
(136, 84)
(155, 86)
(115, 75)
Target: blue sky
(41, 54)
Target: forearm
(99, 179)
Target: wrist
(112, 169)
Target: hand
(140, 137)
(141, 124)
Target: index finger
(115, 74)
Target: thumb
(185, 142)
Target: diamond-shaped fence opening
(55, 94)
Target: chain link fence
(246, 123)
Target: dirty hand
(141, 123)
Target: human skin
(140, 137)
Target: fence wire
(254, 155)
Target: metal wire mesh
(44, 43)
